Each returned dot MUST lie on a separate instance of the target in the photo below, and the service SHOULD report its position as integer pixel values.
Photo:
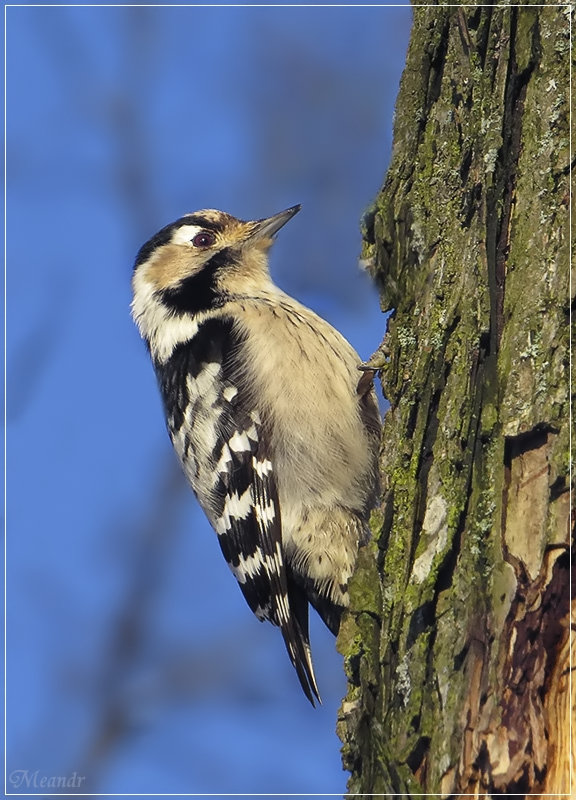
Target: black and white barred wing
(249, 530)
(222, 444)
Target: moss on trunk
(459, 627)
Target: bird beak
(266, 228)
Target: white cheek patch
(185, 233)
(155, 322)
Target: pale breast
(304, 377)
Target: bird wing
(224, 449)
(249, 528)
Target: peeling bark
(457, 645)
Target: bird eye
(203, 239)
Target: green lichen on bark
(468, 242)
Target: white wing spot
(223, 462)
(235, 507)
(239, 443)
(248, 567)
(266, 514)
(222, 525)
(239, 507)
(230, 393)
(252, 433)
(207, 438)
(222, 467)
(262, 468)
(263, 613)
(282, 607)
(199, 386)
(278, 558)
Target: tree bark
(457, 645)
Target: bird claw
(377, 360)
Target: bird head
(210, 242)
(196, 265)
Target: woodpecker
(275, 430)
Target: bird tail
(297, 641)
(321, 598)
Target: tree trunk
(457, 647)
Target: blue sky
(132, 657)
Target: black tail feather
(330, 613)
(297, 641)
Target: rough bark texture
(457, 645)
